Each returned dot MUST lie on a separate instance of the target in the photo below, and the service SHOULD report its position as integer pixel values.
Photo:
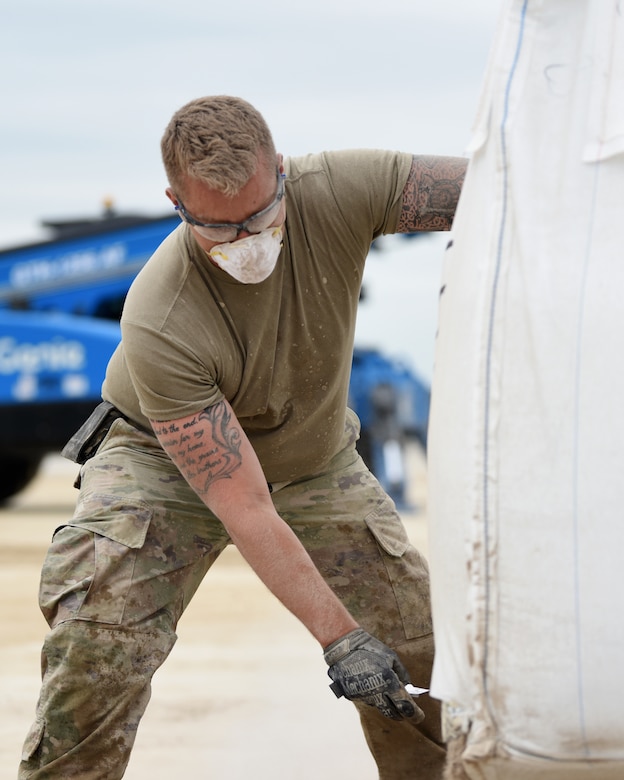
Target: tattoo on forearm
(431, 193)
(204, 457)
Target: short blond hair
(218, 140)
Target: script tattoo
(431, 193)
(204, 452)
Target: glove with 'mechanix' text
(364, 669)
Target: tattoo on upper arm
(205, 457)
(431, 193)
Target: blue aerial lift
(60, 303)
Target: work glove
(364, 669)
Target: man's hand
(364, 669)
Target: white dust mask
(250, 259)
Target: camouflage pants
(119, 575)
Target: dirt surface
(244, 693)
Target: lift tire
(16, 471)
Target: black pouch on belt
(84, 443)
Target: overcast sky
(87, 88)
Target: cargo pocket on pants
(119, 528)
(33, 740)
(406, 568)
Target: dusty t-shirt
(279, 351)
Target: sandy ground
(244, 693)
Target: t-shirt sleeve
(367, 185)
(169, 379)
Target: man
(225, 421)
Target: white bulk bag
(526, 438)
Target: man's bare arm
(215, 456)
(431, 193)
(206, 446)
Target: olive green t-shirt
(280, 351)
